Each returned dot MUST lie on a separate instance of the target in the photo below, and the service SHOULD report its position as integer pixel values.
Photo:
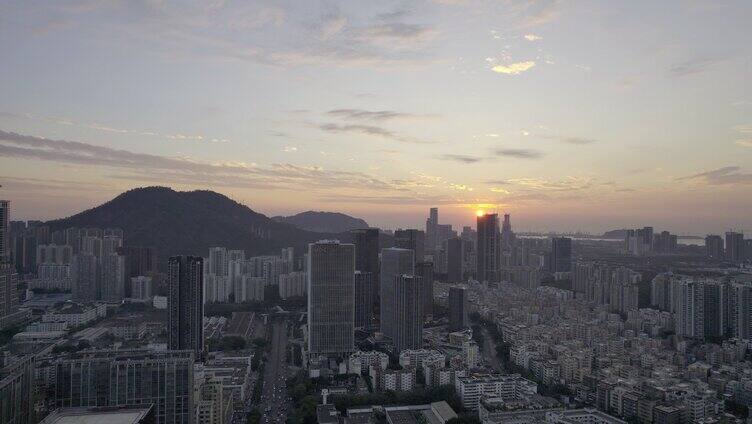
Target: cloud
(744, 143)
(532, 37)
(369, 130)
(578, 140)
(154, 168)
(727, 175)
(519, 153)
(289, 149)
(460, 158)
(392, 32)
(332, 26)
(514, 68)
(694, 66)
(376, 115)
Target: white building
(471, 388)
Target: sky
(570, 115)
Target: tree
(253, 417)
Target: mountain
(615, 234)
(323, 222)
(190, 222)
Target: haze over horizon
(568, 115)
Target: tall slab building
(331, 298)
(186, 305)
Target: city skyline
(569, 116)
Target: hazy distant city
(375, 212)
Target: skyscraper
(331, 298)
(507, 235)
(394, 262)
(408, 308)
(185, 304)
(714, 247)
(487, 248)
(411, 239)
(458, 305)
(454, 259)
(561, 254)
(364, 292)
(9, 313)
(424, 270)
(431, 223)
(734, 247)
(113, 277)
(85, 277)
(366, 242)
(4, 231)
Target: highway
(274, 400)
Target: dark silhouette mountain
(190, 222)
(323, 222)
(614, 234)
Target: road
(274, 400)
(489, 351)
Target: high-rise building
(734, 247)
(394, 262)
(124, 378)
(714, 247)
(424, 270)
(431, 225)
(689, 297)
(458, 308)
(9, 300)
(408, 308)
(561, 254)
(366, 242)
(17, 392)
(4, 231)
(714, 299)
(218, 261)
(413, 240)
(331, 298)
(85, 277)
(364, 292)
(185, 304)
(507, 235)
(113, 277)
(454, 259)
(487, 248)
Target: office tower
(713, 308)
(431, 223)
(366, 242)
(458, 308)
(714, 247)
(394, 262)
(331, 298)
(185, 304)
(4, 231)
(413, 240)
(561, 254)
(734, 247)
(507, 235)
(444, 232)
(424, 270)
(487, 248)
(217, 261)
(124, 378)
(113, 277)
(85, 277)
(454, 259)
(17, 392)
(408, 308)
(364, 292)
